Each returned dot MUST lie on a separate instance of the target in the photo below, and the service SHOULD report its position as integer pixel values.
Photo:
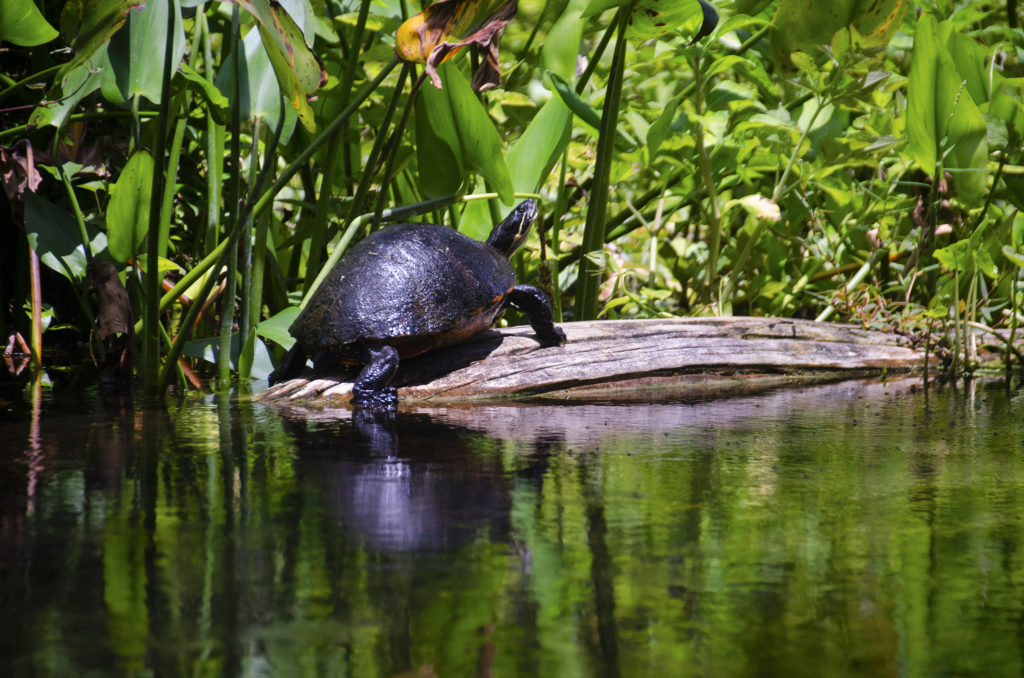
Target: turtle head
(512, 231)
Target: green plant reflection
(839, 530)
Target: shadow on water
(852, 529)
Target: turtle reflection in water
(409, 289)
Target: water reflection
(842, 530)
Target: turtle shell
(414, 286)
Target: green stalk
(190, 319)
(857, 279)
(593, 235)
(338, 137)
(296, 165)
(214, 151)
(35, 77)
(561, 205)
(245, 305)
(151, 335)
(389, 169)
(227, 312)
(715, 226)
(21, 130)
(595, 58)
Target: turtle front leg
(292, 365)
(373, 388)
(534, 304)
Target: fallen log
(633, 359)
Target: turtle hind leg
(292, 365)
(534, 304)
(373, 389)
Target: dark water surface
(844, 530)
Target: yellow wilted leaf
(445, 27)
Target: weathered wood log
(633, 359)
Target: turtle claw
(555, 338)
(375, 399)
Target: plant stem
(151, 335)
(227, 309)
(589, 278)
(293, 168)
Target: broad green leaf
(275, 328)
(162, 265)
(941, 115)
(54, 236)
(23, 24)
(135, 56)
(955, 257)
(541, 144)
(654, 18)
(72, 87)
(597, 7)
(1016, 258)
(659, 129)
(983, 262)
(441, 30)
(562, 45)
(480, 141)
(803, 25)
(259, 91)
(216, 102)
(128, 209)
(299, 71)
(438, 149)
(207, 349)
(476, 221)
(88, 25)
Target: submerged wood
(632, 359)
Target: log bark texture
(633, 359)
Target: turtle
(409, 289)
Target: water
(843, 530)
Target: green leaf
(585, 111)
(259, 91)
(597, 7)
(23, 24)
(128, 209)
(660, 128)
(562, 45)
(438, 149)
(54, 236)
(135, 56)
(64, 97)
(654, 18)
(955, 257)
(536, 151)
(476, 221)
(298, 69)
(275, 328)
(983, 262)
(88, 25)
(941, 115)
(207, 349)
(216, 102)
(803, 25)
(1015, 258)
(480, 141)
